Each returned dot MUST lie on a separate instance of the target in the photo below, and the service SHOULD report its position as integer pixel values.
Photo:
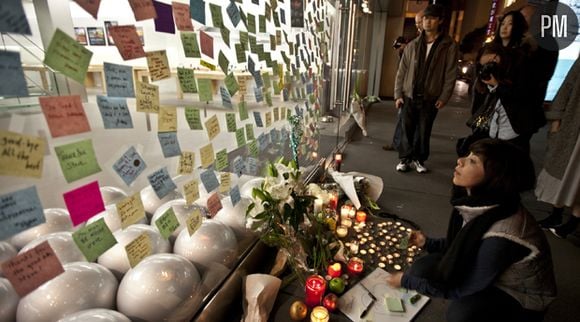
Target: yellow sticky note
(147, 97)
(225, 182)
(130, 210)
(213, 127)
(194, 221)
(191, 191)
(167, 120)
(207, 156)
(158, 65)
(138, 249)
(186, 162)
(21, 155)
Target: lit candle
(342, 231)
(334, 270)
(314, 290)
(354, 247)
(346, 222)
(355, 266)
(351, 212)
(330, 301)
(319, 314)
(344, 210)
(361, 216)
(317, 205)
(333, 201)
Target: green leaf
(258, 194)
(250, 207)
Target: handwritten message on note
(243, 110)
(194, 221)
(191, 191)
(239, 166)
(67, 56)
(143, 9)
(212, 126)
(258, 119)
(158, 65)
(115, 112)
(27, 271)
(11, 68)
(268, 119)
(65, 115)
(214, 204)
(231, 84)
(77, 160)
(167, 119)
(206, 44)
(161, 182)
(221, 160)
(205, 90)
(207, 156)
(193, 118)
(186, 162)
(226, 98)
(216, 15)
(235, 195)
(240, 137)
(84, 202)
(231, 122)
(250, 132)
(186, 80)
(233, 13)
(129, 166)
(182, 16)
(147, 97)
(130, 210)
(119, 79)
(225, 32)
(19, 211)
(225, 182)
(167, 223)
(21, 155)
(127, 41)
(138, 249)
(252, 166)
(90, 6)
(164, 20)
(169, 144)
(12, 17)
(209, 180)
(253, 149)
(94, 239)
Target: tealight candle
(354, 248)
(344, 210)
(319, 314)
(341, 231)
(346, 222)
(314, 290)
(334, 270)
(355, 266)
(317, 205)
(351, 213)
(361, 216)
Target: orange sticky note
(214, 204)
(65, 115)
(90, 6)
(181, 16)
(127, 41)
(143, 9)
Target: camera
(399, 42)
(487, 70)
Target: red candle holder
(334, 270)
(330, 302)
(361, 216)
(314, 289)
(355, 266)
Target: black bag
(480, 120)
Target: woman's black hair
(519, 28)
(508, 169)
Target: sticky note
(129, 166)
(12, 18)
(186, 80)
(19, 211)
(243, 110)
(251, 23)
(212, 126)
(119, 79)
(198, 11)
(186, 162)
(164, 20)
(207, 156)
(169, 144)
(258, 93)
(206, 42)
(268, 119)
(207, 65)
(190, 45)
(90, 6)
(161, 182)
(194, 221)
(221, 160)
(77, 160)
(225, 182)
(240, 137)
(193, 118)
(67, 56)
(216, 15)
(268, 97)
(233, 13)
(252, 166)
(84, 202)
(225, 32)
(209, 180)
(158, 65)
(138, 249)
(130, 210)
(253, 148)
(182, 16)
(262, 23)
(204, 89)
(21, 155)
(223, 62)
(235, 195)
(65, 115)
(251, 66)
(226, 98)
(11, 68)
(167, 119)
(27, 271)
(258, 119)
(214, 204)
(147, 97)
(127, 41)
(238, 166)
(240, 53)
(231, 84)
(250, 132)
(191, 191)
(276, 114)
(94, 239)
(167, 223)
(115, 112)
(143, 9)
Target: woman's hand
(417, 238)
(394, 280)
(555, 126)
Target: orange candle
(361, 216)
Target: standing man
(424, 83)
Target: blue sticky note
(309, 88)
(235, 195)
(169, 144)
(161, 182)
(258, 93)
(129, 166)
(12, 75)
(282, 16)
(209, 180)
(226, 98)
(251, 66)
(164, 21)
(115, 112)
(13, 19)
(258, 79)
(258, 119)
(233, 13)
(197, 10)
(263, 141)
(252, 166)
(19, 211)
(119, 79)
(238, 166)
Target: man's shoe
(403, 166)
(388, 147)
(419, 167)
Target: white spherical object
(63, 245)
(157, 287)
(57, 220)
(112, 219)
(116, 260)
(234, 216)
(7, 251)
(151, 202)
(212, 242)
(182, 212)
(8, 301)
(96, 315)
(112, 195)
(246, 189)
(82, 286)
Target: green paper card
(205, 90)
(94, 239)
(223, 62)
(193, 118)
(167, 223)
(77, 160)
(225, 35)
(268, 119)
(394, 304)
(262, 20)
(231, 84)
(240, 53)
(186, 78)
(268, 98)
(251, 23)
(231, 122)
(272, 42)
(240, 137)
(250, 132)
(244, 39)
(190, 45)
(67, 56)
(243, 110)
(253, 44)
(276, 114)
(221, 158)
(267, 80)
(216, 15)
(253, 148)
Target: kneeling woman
(495, 264)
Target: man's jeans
(417, 117)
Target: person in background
(495, 263)
(424, 83)
(559, 180)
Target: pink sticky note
(27, 271)
(90, 6)
(127, 41)
(214, 204)
(84, 202)
(65, 115)
(143, 9)
(182, 16)
(206, 44)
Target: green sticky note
(67, 56)
(268, 119)
(253, 44)
(262, 20)
(243, 16)
(167, 223)
(193, 118)
(276, 19)
(250, 132)
(216, 15)
(268, 12)
(231, 122)
(77, 160)
(260, 52)
(223, 62)
(225, 35)
(276, 114)
(232, 84)
(244, 39)
(221, 161)
(205, 90)
(190, 44)
(272, 42)
(253, 148)
(243, 110)
(277, 88)
(394, 304)
(94, 239)
(240, 137)
(240, 53)
(268, 98)
(186, 78)
(251, 23)
(267, 80)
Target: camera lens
(487, 70)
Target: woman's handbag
(481, 119)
